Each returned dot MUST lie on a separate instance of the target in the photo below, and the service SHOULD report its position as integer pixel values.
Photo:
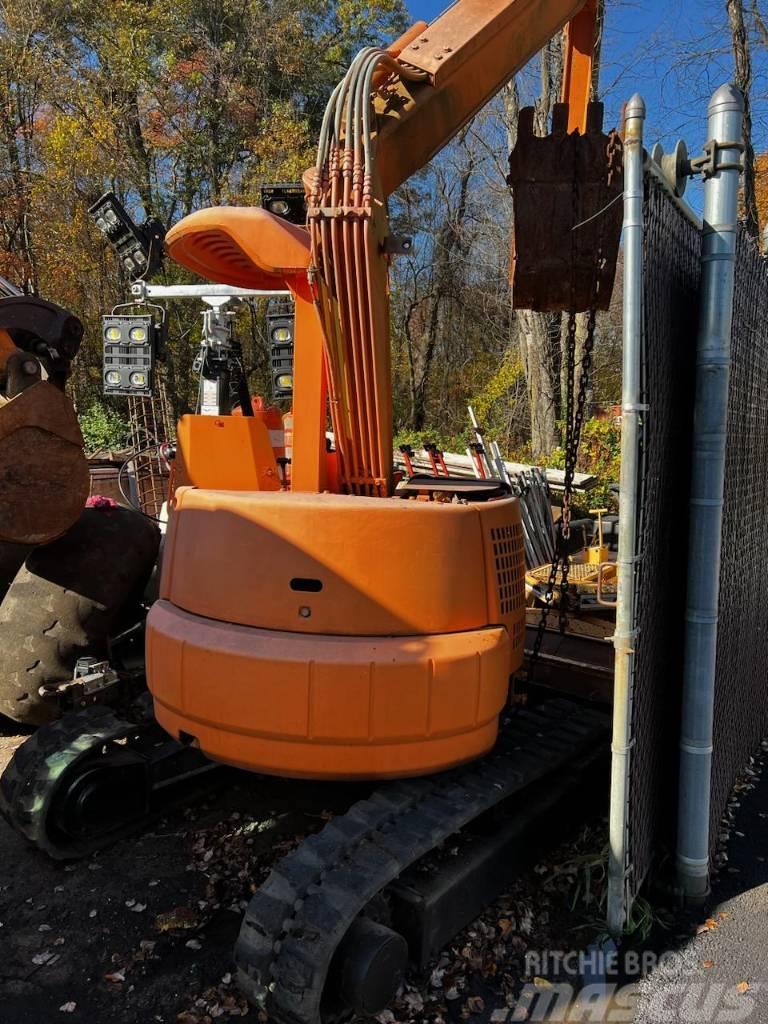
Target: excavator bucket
(44, 480)
(567, 214)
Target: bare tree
(742, 59)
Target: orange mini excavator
(295, 635)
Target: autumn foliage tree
(180, 104)
(174, 104)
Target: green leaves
(103, 429)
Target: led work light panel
(130, 348)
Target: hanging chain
(574, 421)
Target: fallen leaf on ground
(115, 976)
(69, 1007)
(45, 957)
(178, 918)
(708, 964)
(708, 926)
(742, 987)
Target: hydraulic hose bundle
(348, 230)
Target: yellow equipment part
(581, 575)
(598, 553)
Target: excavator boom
(373, 139)
(466, 56)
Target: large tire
(65, 600)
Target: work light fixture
(139, 249)
(131, 345)
(285, 200)
(280, 330)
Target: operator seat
(243, 246)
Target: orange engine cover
(321, 635)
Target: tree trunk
(449, 242)
(742, 59)
(536, 353)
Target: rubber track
(295, 922)
(29, 783)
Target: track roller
(370, 965)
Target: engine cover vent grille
(509, 558)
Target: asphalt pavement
(718, 972)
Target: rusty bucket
(566, 190)
(43, 472)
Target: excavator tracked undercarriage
(293, 635)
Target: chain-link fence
(672, 250)
(741, 682)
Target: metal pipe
(8, 289)
(624, 636)
(713, 354)
(141, 290)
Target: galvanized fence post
(630, 433)
(706, 503)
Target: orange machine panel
(335, 564)
(231, 452)
(322, 706)
(239, 245)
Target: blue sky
(674, 53)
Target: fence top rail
(652, 169)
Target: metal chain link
(574, 419)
